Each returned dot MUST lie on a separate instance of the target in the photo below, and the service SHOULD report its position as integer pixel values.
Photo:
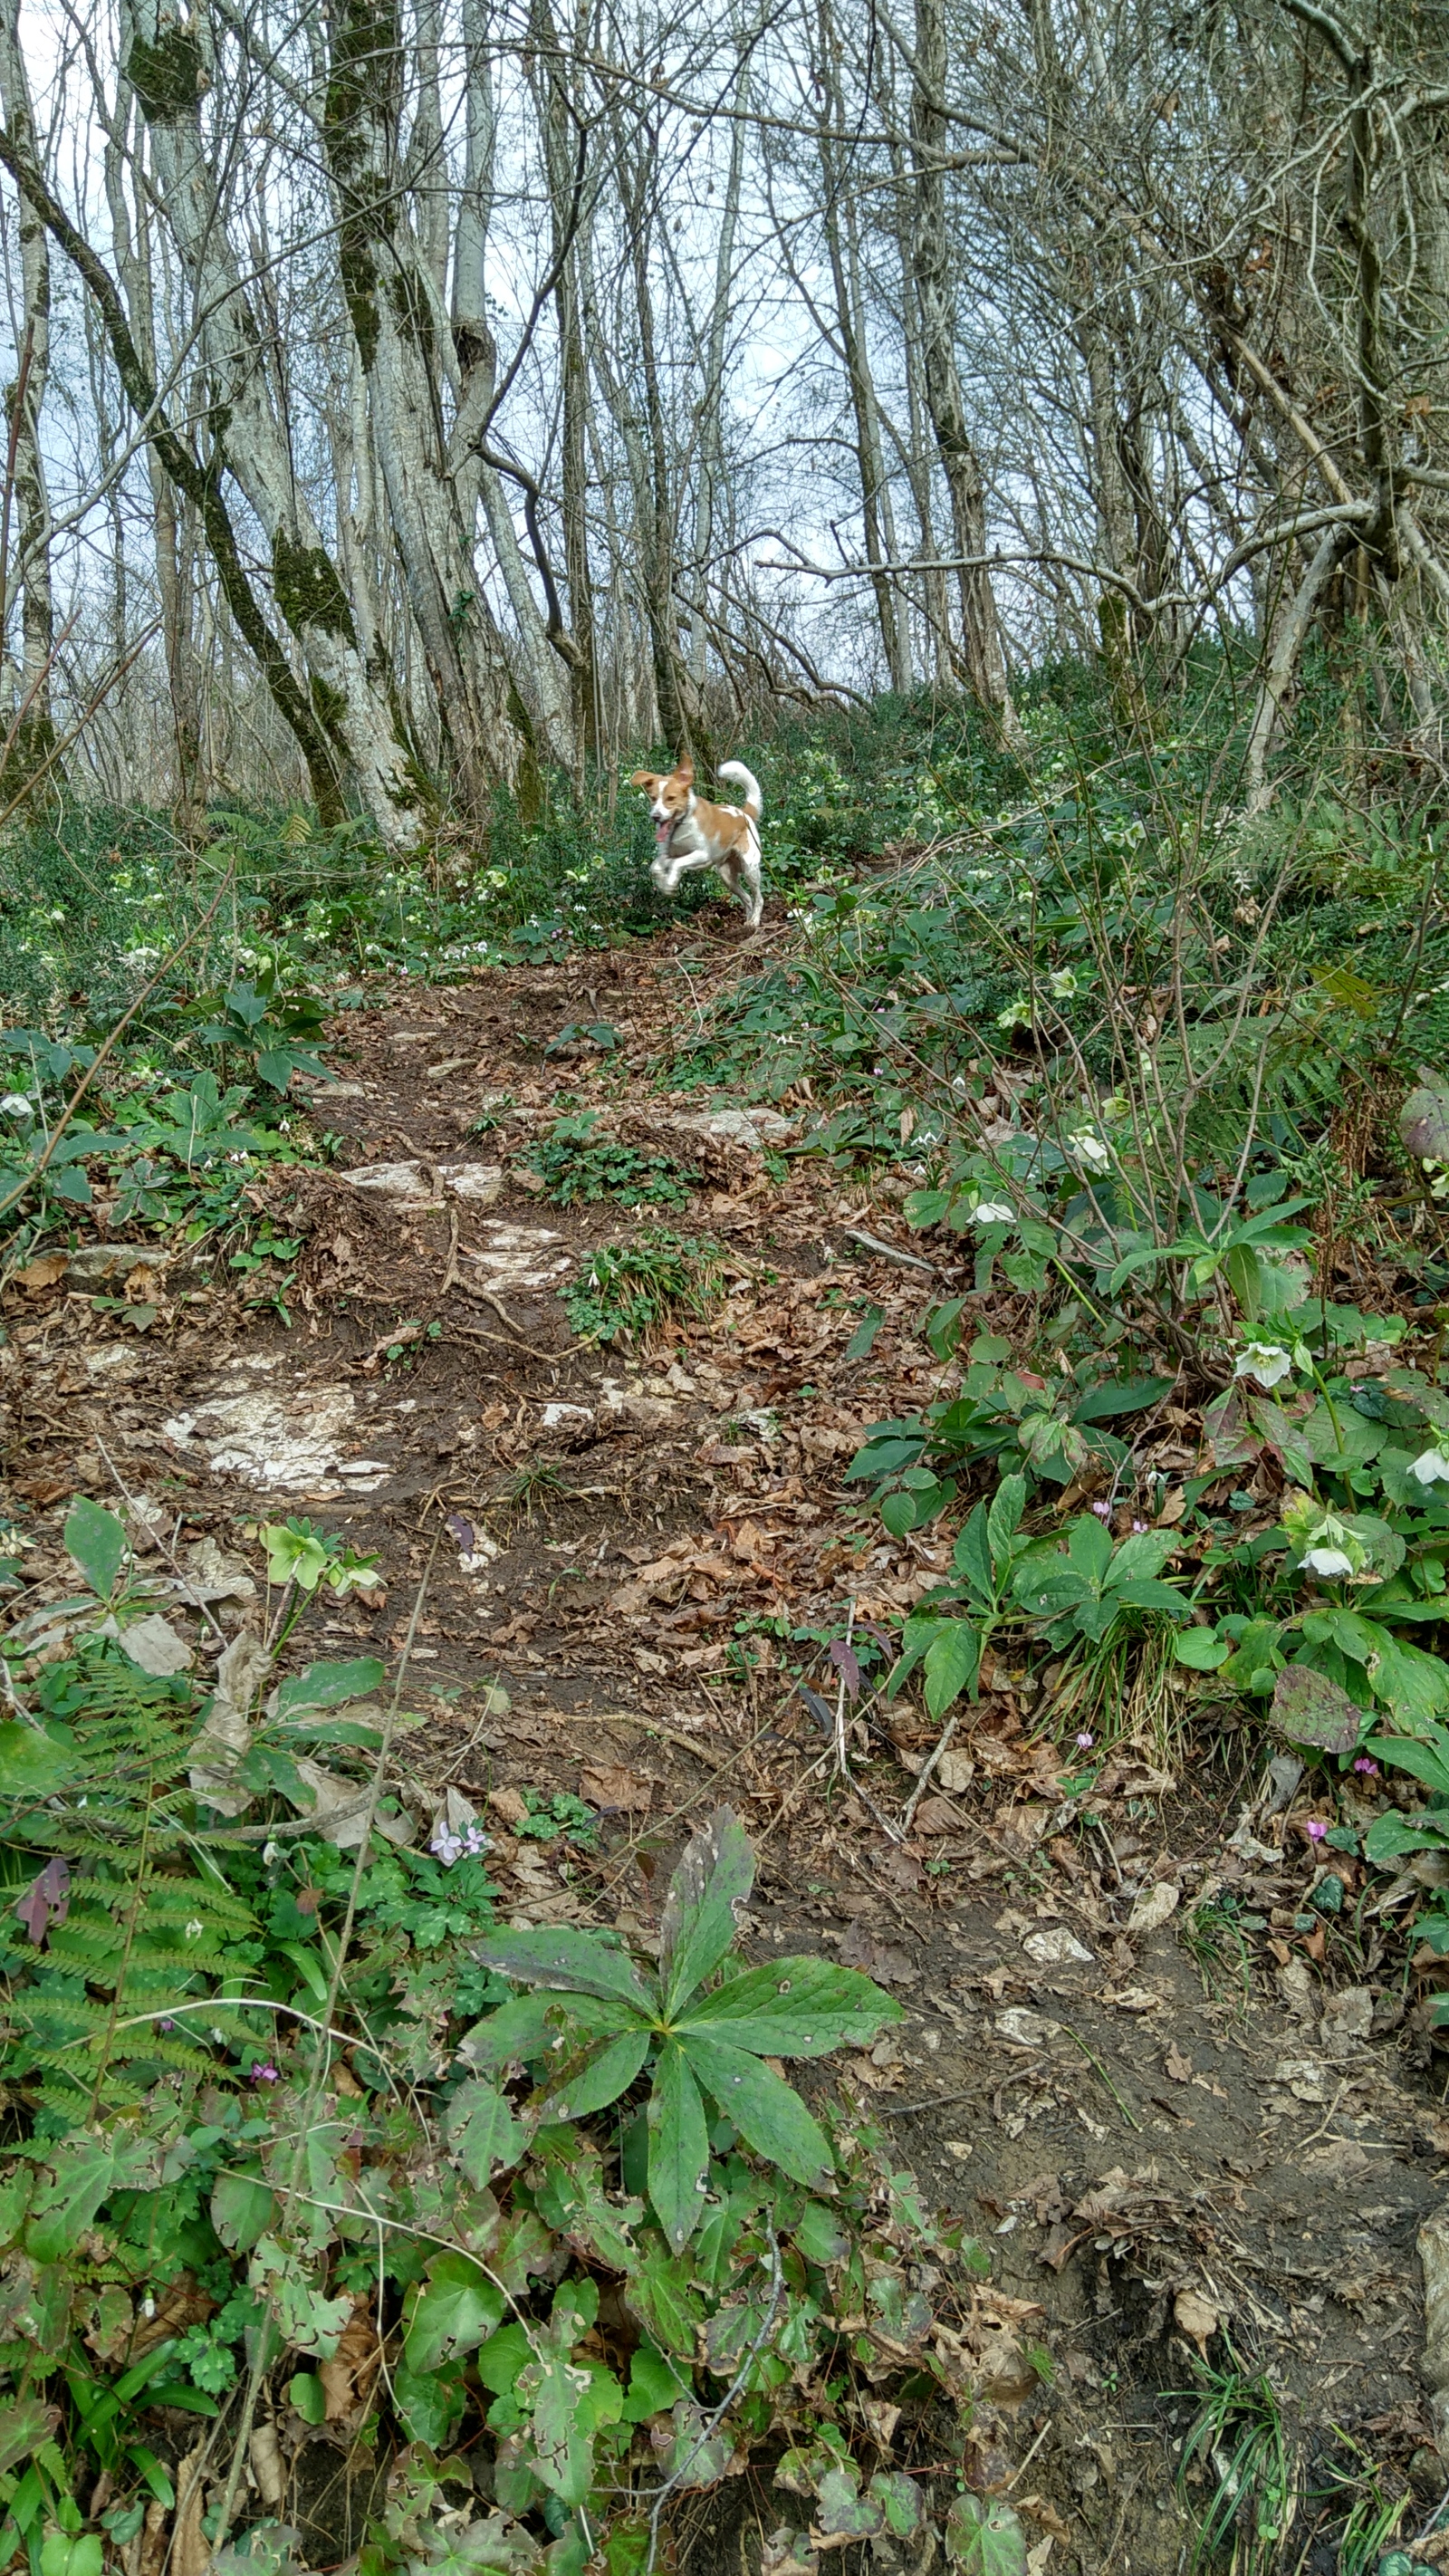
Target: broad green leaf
(1390, 1836)
(1341, 1439)
(1143, 1593)
(457, 2308)
(1003, 1520)
(1422, 1761)
(274, 1064)
(654, 2385)
(1310, 1709)
(842, 2510)
(97, 1541)
(1415, 1685)
(662, 2293)
(23, 2428)
(329, 1685)
(792, 2008)
(499, 2360)
(972, 1556)
(599, 2076)
(767, 2111)
(430, 2404)
(243, 2207)
(900, 2500)
(32, 1765)
(485, 2136)
(85, 2172)
(528, 2027)
(698, 1924)
(1090, 1548)
(1140, 1557)
(564, 1958)
(308, 2395)
(1203, 1650)
(984, 2537)
(953, 1659)
(819, 2234)
(678, 2146)
(572, 2399)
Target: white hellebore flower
(15, 1105)
(1089, 1151)
(991, 1212)
(1432, 1468)
(1327, 1560)
(1268, 1362)
(1063, 984)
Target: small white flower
(1089, 1151)
(991, 1212)
(271, 1854)
(1432, 1468)
(1268, 1362)
(194, 1929)
(15, 1105)
(1063, 984)
(1327, 1560)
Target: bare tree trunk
(985, 668)
(395, 321)
(35, 738)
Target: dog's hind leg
(748, 887)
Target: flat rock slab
(519, 1256)
(428, 1185)
(286, 1439)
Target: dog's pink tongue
(663, 830)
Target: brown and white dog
(690, 833)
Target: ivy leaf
(699, 1921)
(792, 2008)
(243, 2207)
(486, 2137)
(678, 2145)
(458, 2307)
(97, 1541)
(23, 2428)
(32, 1765)
(571, 2401)
(984, 2537)
(844, 2513)
(1310, 1709)
(767, 2111)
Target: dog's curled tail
(754, 801)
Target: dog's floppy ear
(647, 779)
(684, 771)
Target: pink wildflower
(1315, 1830)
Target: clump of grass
(1239, 2437)
(628, 1289)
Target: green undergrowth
(294, 2121)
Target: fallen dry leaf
(1151, 1909)
(609, 1785)
(42, 1272)
(1197, 2317)
(1178, 2066)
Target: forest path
(632, 1544)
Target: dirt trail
(1150, 2147)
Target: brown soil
(1157, 2151)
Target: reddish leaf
(46, 1900)
(1310, 1709)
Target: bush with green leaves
(580, 1165)
(264, 2087)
